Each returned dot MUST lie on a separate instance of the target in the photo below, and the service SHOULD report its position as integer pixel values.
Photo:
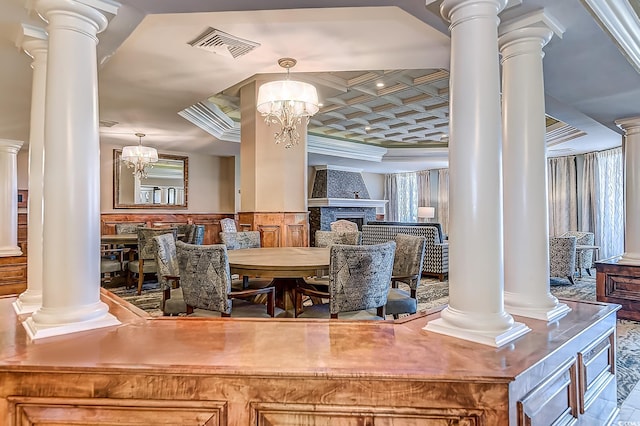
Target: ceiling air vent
(221, 43)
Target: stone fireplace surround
(333, 197)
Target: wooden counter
(306, 372)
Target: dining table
(124, 239)
(288, 266)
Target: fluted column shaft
(476, 277)
(631, 127)
(526, 217)
(71, 234)
(31, 299)
(9, 198)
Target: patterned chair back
(146, 247)
(205, 277)
(409, 258)
(344, 225)
(166, 258)
(241, 240)
(228, 225)
(359, 276)
(328, 238)
(129, 228)
(562, 257)
(193, 234)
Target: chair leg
(140, 275)
(588, 271)
(571, 279)
(271, 302)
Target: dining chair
(244, 240)
(359, 278)
(228, 225)
(343, 225)
(146, 263)
(407, 269)
(112, 261)
(205, 279)
(169, 275)
(193, 234)
(129, 227)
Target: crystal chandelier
(139, 158)
(286, 103)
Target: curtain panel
(609, 231)
(442, 213)
(563, 190)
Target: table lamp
(426, 213)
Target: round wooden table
(286, 265)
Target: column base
(24, 307)
(543, 314)
(10, 251)
(629, 259)
(490, 338)
(40, 331)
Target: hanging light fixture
(139, 158)
(287, 103)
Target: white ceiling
(149, 73)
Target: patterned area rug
(432, 293)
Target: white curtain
(609, 231)
(589, 193)
(401, 189)
(563, 204)
(442, 214)
(424, 188)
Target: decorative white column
(476, 276)
(71, 239)
(35, 44)
(9, 198)
(526, 217)
(631, 127)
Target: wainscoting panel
(277, 229)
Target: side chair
(169, 275)
(407, 269)
(205, 279)
(244, 240)
(343, 225)
(228, 225)
(359, 278)
(146, 262)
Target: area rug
(432, 294)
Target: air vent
(107, 123)
(221, 43)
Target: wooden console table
(214, 371)
(619, 283)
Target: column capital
(524, 41)
(470, 8)
(91, 10)
(10, 146)
(630, 125)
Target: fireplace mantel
(345, 202)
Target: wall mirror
(164, 187)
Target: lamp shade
(301, 97)
(136, 153)
(427, 212)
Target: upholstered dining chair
(169, 275)
(584, 259)
(407, 269)
(562, 257)
(328, 238)
(359, 278)
(228, 225)
(146, 262)
(244, 240)
(112, 261)
(343, 225)
(193, 234)
(205, 279)
(129, 227)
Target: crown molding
(339, 148)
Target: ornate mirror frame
(157, 190)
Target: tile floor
(630, 410)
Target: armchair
(584, 259)
(562, 257)
(407, 269)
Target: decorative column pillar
(71, 239)
(631, 151)
(9, 198)
(526, 217)
(476, 276)
(35, 45)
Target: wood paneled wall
(211, 222)
(277, 229)
(13, 270)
